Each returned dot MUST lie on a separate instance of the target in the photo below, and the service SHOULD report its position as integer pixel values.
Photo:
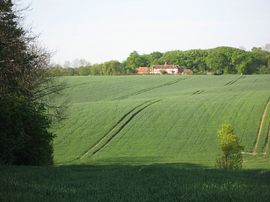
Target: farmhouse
(168, 69)
(164, 69)
(142, 70)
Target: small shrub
(163, 72)
(24, 135)
(231, 157)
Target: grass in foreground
(157, 182)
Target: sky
(102, 30)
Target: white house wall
(169, 71)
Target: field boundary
(117, 128)
(149, 89)
(260, 128)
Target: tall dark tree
(24, 91)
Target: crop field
(151, 138)
(162, 119)
(163, 182)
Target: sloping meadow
(161, 119)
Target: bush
(24, 137)
(163, 72)
(231, 157)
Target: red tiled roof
(142, 70)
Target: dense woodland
(220, 60)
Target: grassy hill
(162, 119)
(151, 138)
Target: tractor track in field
(149, 89)
(77, 85)
(260, 130)
(234, 81)
(117, 128)
(198, 92)
(267, 140)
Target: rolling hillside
(155, 119)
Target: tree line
(220, 60)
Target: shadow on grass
(116, 182)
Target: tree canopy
(220, 60)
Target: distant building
(167, 69)
(164, 69)
(143, 70)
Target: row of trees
(220, 60)
(108, 68)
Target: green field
(161, 119)
(165, 182)
(152, 138)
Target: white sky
(101, 30)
